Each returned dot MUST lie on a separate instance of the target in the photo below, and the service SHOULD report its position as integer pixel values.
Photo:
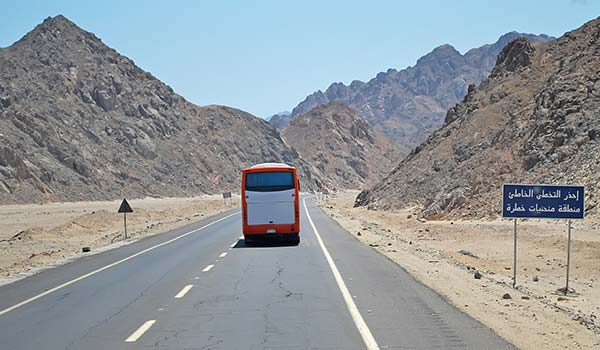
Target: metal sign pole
(125, 208)
(515, 259)
(568, 255)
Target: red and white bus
(270, 202)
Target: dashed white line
(206, 269)
(52, 290)
(140, 331)
(223, 255)
(184, 291)
(233, 244)
(360, 323)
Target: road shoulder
(40, 237)
(528, 320)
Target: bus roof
(268, 166)
(271, 165)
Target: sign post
(568, 256)
(515, 257)
(125, 208)
(543, 202)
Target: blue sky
(266, 56)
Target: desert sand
(445, 255)
(38, 236)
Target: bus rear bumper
(271, 237)
(271, 229)
(272, 233)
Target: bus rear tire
(295, 240)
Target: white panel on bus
(272, 207)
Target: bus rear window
(270, 181)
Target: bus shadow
(271, 243)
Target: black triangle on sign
(125, 207)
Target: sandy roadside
(34, 237)
(445, 255)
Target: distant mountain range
(347, 152)
(280, 119)
(408, 105)
(535, 119)
(79, 121)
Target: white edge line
(184, 291)
(206, 269)
(223, 255)
(140, 331)
(52, 290)
(360, 323)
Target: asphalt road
(201, 287)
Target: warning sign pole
(568, 256)
(125, 223)
(515, 258)
(125, 208)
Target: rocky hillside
(79, 121)
(408, 105)
(536, 119)
(347, 151)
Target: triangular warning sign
(125, 207)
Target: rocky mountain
(79, 121)
(280, 120)
(536, 119)
(408, 105)
(347, 151)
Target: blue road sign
(542, 201)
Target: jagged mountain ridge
(347, 151)
(536, 119)
(408, 105)
(79, 121)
